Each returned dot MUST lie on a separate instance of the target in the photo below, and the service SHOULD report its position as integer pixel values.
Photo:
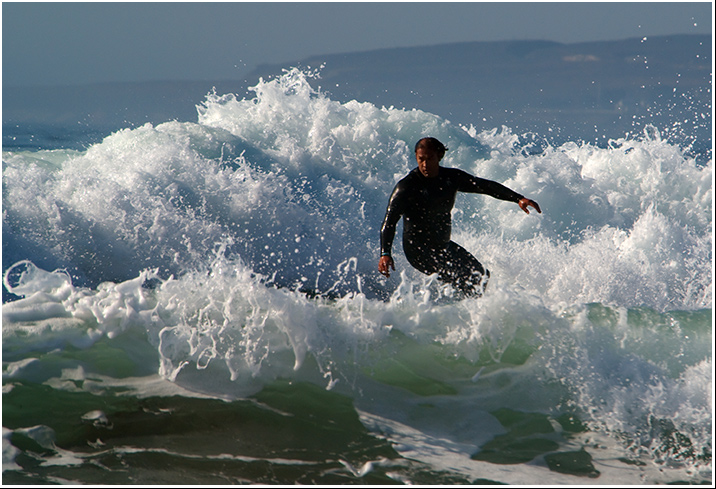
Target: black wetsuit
(426, 205)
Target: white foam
(195, 237)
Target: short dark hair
(431, 144)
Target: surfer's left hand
(525, 203)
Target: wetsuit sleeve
(470, 183)
(395, 210)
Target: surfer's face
(428, 162)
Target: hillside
(529, 85)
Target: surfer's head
(431, 144)
(428, 153)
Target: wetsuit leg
(423, 258)
(453, 264)
(462, 270)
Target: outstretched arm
(470, 183)
(525, 203)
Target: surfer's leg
(427, 260)
(463, 270)
(453, 264)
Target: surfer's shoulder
(452, 172)
(412, 177)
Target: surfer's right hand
(385, 264)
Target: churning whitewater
(235, 258)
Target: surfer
(425, 198)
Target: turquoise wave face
(485, 384)
(172, 266)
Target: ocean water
(199, 303)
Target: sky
(94, 42)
